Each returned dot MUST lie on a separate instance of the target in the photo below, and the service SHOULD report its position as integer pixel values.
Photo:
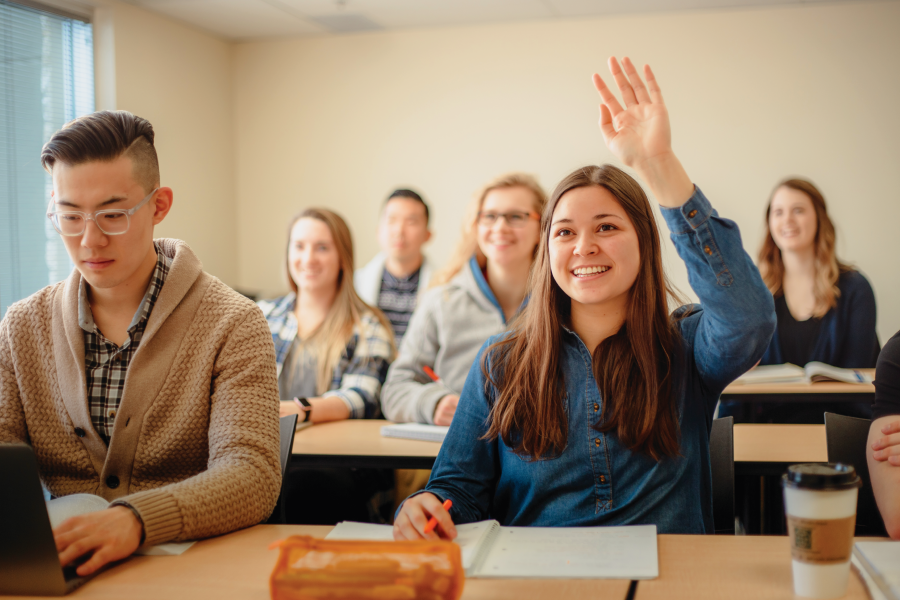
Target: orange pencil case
(314, 569)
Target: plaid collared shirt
(359, 375)
(106, 364)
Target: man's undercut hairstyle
(411, 195)
(105, 136)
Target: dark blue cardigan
(847, 335)
(846, 339)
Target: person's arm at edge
(885, 473)
(405, 397)
(243, 478)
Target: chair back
(721, 458)
(847, 438)
(286, 426)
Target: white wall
(180, 79)
(754, 95)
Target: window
(46, 80)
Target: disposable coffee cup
(820, 504)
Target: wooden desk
(359, 444)
(734, 567)
(237, 566)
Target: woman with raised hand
(596, 408)
(332, 352)
(478, 292)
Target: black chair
(721, 458)
(287, 426)
(846, 438)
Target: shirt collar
(160, 272)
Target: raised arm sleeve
(737, 316)
(243, 479)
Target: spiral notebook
(489, 550)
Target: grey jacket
(450, 325)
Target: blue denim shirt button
(603, 479)
(692, 214)
(597, 442)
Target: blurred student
(883, 450)
(398, 276)
(825, 308)
(480, 290)
(332, 352)
(596, 407)
(141, 378)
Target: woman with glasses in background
(332, 352)
(474, 297)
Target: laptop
(29, 563)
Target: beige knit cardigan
(195, 445)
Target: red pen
(432, 522)
(430, 372)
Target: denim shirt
(594, 480)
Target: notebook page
(573, 552)
(470, 536)
(882, 561)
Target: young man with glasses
(140, 379)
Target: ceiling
(260, 19)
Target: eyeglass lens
(110, 222)
(513, 218)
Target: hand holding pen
(424, 517)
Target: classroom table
(238, 565)
(758, 449)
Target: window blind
(46, 80)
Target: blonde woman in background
(332, 352)
(825, 308)
(481, 289)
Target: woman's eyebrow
(595, 218)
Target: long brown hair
(467, 247)
(634, 368)
(347, 310)
(828, 267)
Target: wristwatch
(305, 408)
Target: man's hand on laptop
(111, 534)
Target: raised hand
(639, 134)
(640, 131)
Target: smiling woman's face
(594, 250)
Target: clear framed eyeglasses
(514, 218)
(113, 221)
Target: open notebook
(812, 372)
(489, 550)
